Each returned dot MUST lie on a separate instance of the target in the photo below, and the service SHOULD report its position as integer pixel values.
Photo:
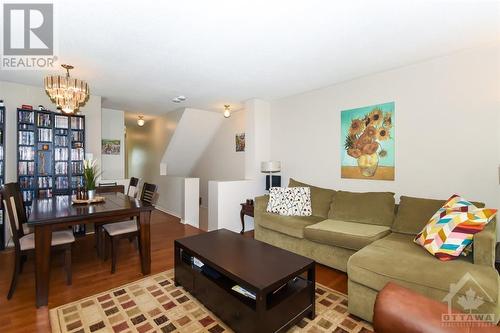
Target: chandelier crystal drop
(67, 93)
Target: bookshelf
(51, 151)
(2, 174)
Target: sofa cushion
(320, 197)
(290, 201)
(452, 228)
(349, 235)
(369, 208)
(396, 258)
(289, 225)
(414, 213)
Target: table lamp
(271, 167)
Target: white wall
(258, 129)
(191, 207)
(193, 133)
(113, 166)
(446, 130)
(224, 212)
(225, 197)
(220, 160)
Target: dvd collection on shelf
(61, 121)
(62, 183)
(76, 181)
(26, 116)
(77, 154)
(45, 135)
(76, 168)
(61, 154)
(78, 136)
(51, 150)
(61, 168)
(26, 168)
(27, 153)
(44, 182)
(60, 140)
(77, 123)
(26, 138)
(43, 120)
(26, 182)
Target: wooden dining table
(59, 213)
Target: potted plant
(90, 175)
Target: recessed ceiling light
(179, 99)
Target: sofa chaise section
(396, 258)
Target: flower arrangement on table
(363, 139)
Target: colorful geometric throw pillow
(290, 201)
(451, 229)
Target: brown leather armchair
(400, 310)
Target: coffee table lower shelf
(274, 312)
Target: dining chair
(133, 187)
(24, 244)
(128, 229)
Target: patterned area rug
(154, 304)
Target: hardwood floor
(91, 275)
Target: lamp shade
(270, 166)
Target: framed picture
(110, 147)
(240, 142)
(367, 139)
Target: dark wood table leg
(260, 307)
(177, 254)
(43, 240)
(311, 276)
(242, 217)
(145, 241)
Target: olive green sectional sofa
(371, 238)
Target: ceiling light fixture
(179, 99)
(227, 110)
(67, 93)
(141, 121)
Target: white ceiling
(138, 55)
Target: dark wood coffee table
(283, 282)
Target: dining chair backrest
(108, 184)
(149, 193)
(14, 206)
(132, 187)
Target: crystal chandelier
(67, 93)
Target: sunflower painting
(367, 136)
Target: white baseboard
(169, 212)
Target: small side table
(246, 209)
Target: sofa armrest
(484, 245)
(261, 203)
